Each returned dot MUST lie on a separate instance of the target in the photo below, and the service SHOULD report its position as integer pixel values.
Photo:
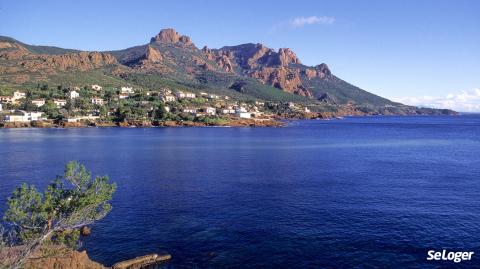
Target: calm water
(360, 192)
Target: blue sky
(397, 49)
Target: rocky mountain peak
(170, 36)
(287, 56)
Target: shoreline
(274, 121)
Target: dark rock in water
(85, 231)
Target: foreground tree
(70, 202)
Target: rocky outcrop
(170, 36)
(258, 61)
(284, 78)
(61, 258)
(23, 62)
(82, 61)
(287, 57)
(320, 71)
(153, 55)
(142, 261)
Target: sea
(358, 192)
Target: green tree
(70, 202)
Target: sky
(421, 52)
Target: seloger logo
(449, 256)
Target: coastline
(277, 120)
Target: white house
(97, 101)
(77, 119)
(123, 95)
(96, 87)
(168, 98)
(60, 102)
(242, 113)
(73, 94)
(18, 95)
(307, 110)
(213, 96)
(227, 111)
(210, 111)
(127, 90)
(1, 108)
(189, 95)
(189, 110)
(181, 95)
(25, 117)
(38, 102)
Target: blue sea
(362, 192)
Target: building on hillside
(189, 110)
(291, 105)
(24, 116)
(182, 95)
(203, 94)
(77, 119)
(73, 94)
(127, 90)
(168, 98)
(167, 109)
(38, 102)
(227, 98)
(97, 101)
(213, 96)
(1, 108)
(227, 111)
(18, 95)
(189, 95)
(210, 110)
(60, 102)
(306, 110)
(243, 113)
(7, 99)
(123, 95)
(96, 87)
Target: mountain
(248, 71)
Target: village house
(243, 113)
(168, 98)
(167, 109)
(60, 102)
(96, 87)
(97, 101)
(213, 96)
(77, 119)
(203, 94)
(127, 90)
(73, 94)
(210, 111)
(189, 110)
(227, 98)
(7, 99)
(227, 111)
(24, 117)
(306, 110)
(182, 95)
(291, 105)
(123, 95)
(38, 102)
(1, 108)
(18, 95)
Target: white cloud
(465, 101)
(302, 21)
